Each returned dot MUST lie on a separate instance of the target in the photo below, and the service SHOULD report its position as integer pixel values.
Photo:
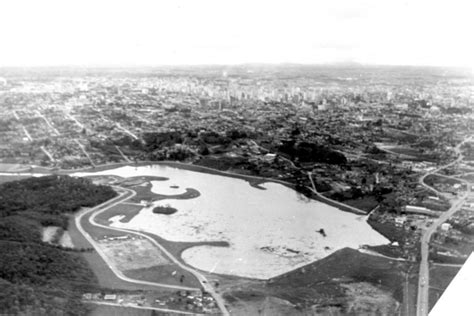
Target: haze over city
(150, 33)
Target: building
(445, 227)
(110, 297)
(269, 157)
(399, 221)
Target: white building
(445, 227)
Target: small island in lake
(167, 210)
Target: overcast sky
(141, 32)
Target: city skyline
(122, 33)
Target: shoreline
(180, 247)
(254, 181)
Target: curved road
(423, 281)
(125, 195)
(352, 208)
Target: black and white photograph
(236, 157)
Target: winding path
(126, 194)
(423, 281)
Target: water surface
(270, 231)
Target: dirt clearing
(131, 252)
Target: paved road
(421, 180)
(126, 131)
(122, 154)
(48, 123)
(47, 153)
(83, 149)
(423, 281)
(125, 195)
(27, 134)
(75, 120)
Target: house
(269, 157)
(400, 220)
(445, 227)
(415, 209)
(110, 297)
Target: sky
(154, 32)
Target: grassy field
(176, 248)
(327, 283)
(105, 276)
(432, 179)
(167, 274)
(366, 203)
(468, 177)
(406, 151)
(129, 211)
(132, 181)
(347, 264)
(440, 277)
(389, 230)
(101, 310)
(145, 193)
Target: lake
(270, 231)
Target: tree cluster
(48, 199)
(37, 278)
(311, 152)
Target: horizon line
(248, 64)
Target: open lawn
(105, 276)
(128, 211)
(389, 230)
(346, 264)
(144, 193)
(366, 203)
(346, 282)
(468, 177)
(101, 310)
(406, 151)
(440, 277)
(432, 179)
(101, 268)
(167, 274)
(134, 181)
(176, 248)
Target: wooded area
(37, 278)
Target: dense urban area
(392, 144)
